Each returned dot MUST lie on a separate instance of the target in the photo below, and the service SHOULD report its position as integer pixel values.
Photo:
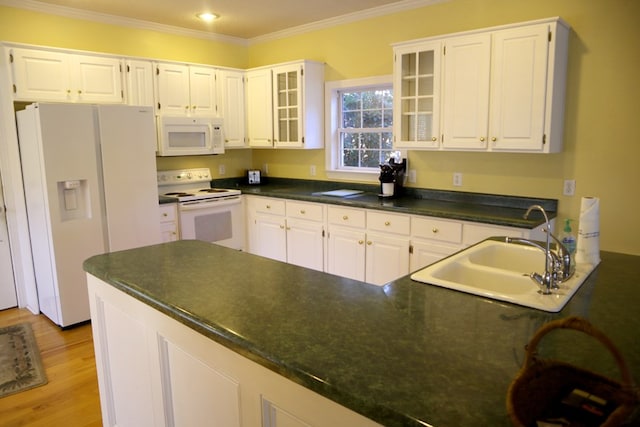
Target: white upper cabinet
(503, 90)
(259, 108)
(466, 92)
(186, 90)
(43, 75)
(416, 88)
(285, 105)
(139, 82)
(231, 106)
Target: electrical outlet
(412, 176)
(222, 170)
(312, 170)
(457, 179)
(569, 188)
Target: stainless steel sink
(499, 270)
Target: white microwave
(190, 136)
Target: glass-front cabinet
(417, 96)
(287, 87)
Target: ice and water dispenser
(73, 199)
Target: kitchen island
(400, 355)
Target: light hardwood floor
(70, 398)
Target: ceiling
(244, 19)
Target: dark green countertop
(403, 354)
(477, 207)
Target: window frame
(332, 124)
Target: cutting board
(341, 193)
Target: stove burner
(178, 194)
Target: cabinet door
(270, 237)
(305, 243)
(40, 75)
(202, 91)
(173, 88)
(287, 106)
(466, 92)
(424, 252)
(232, 107)
(346, 253)
(168, 223)
(518, 82)
(387, 258)
(97, 79)
(416, 101)
(259, 108)
(139, 80)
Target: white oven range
(214, 215)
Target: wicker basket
(541, 384)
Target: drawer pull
(164, 214)
(345, 217)
(268, 206)
(434, 230)
(387, 223)
(302, 211)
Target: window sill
(360, 176)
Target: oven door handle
(204, 204)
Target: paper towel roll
(588, 244)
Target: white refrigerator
(90, 186)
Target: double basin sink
(497, 269)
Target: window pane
(371, 140)
(351, 101)
(387, 143)
(352, 119)
(350, 158)
(349, 140)
(371, 99)
(370, 159)
(372, 119)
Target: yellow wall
(601, 147)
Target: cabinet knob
(282, 227)
(186, 107)
(494, 139)
(433, 138)
(345, 217)
(268, 206)
(482, 139)
(79, 92)
(164, 214)
(360, 242)
(387, 223)
(68, 91)
(302, 211)
(434, 230)
(369, 242)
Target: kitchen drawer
(389, 223)
(346, 216)
(473, 233)
(436, 229)
(302, 210)
(168, 213)
(270, 206)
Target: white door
(7, 285)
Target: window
(364, 132)
(359, 127)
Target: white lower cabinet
(287, 231)
(367, 245)
(155, 371)
(433, 239)
(169, 222)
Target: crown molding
(70, 12)
(346, 19)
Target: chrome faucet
(557, 265)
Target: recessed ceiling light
(207, 17)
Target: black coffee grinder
(392, 177)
